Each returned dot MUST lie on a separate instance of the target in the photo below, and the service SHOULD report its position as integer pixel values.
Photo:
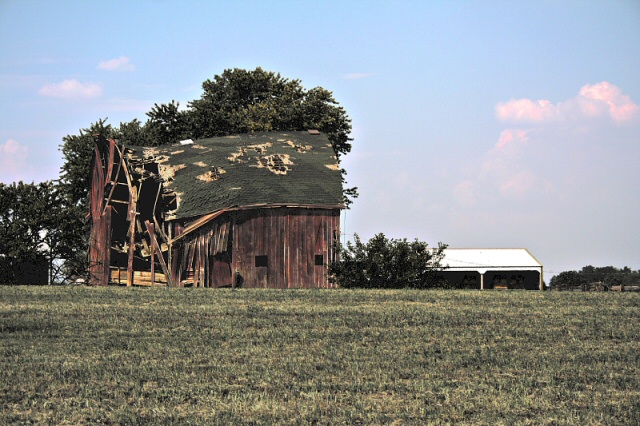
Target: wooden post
(154, 243)
(132, 247)
(176, 263)
(151, 228)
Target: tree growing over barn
(237, 101)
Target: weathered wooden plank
(154, 243)
(113, 151)
(131, 252)
(151, 229)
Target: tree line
(607, 275)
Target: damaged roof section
(292, 168)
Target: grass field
(79, 355)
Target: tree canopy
(608, 275)
(34, 229)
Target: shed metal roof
(291, 168)
(490, 258)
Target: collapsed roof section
(293, 168)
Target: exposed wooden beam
(154, 243)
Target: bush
(388, 263)
(568, 280)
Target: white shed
(498, 268)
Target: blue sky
(479, 124)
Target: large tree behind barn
(256, 210)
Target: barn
(492, 268)
(250, 210)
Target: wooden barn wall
(203, 259)
(223, 252)
(100, 237)
(290, 239)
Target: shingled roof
(292, 168)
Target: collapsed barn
(253, 210)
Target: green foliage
(34, 225)
(78, 152)
(237, 101)
(80, 355)
(166, 125)
(384, 263)
(567, 279)
(608, 275)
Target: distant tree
(567, 280)
(610, 275)
(388, 263)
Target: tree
(78, 153)
(567, 280)
(237, 101)
(166, 125)
(33, 231)
(608, 275)
(388, 263)
(240, 101)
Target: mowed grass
(79, 355)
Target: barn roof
(490, 258)
(207, 175)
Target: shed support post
(481, 280)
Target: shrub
(388, 263)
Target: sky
(475, 123)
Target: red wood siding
(223, 252)
(100, 237)
(290, 238)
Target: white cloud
(519, 110)
(620, 106)
(13, 157)
(597, 100)
(517, 185)
(119, 64)
(517, 166)
(512, 135)
(71, 89)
